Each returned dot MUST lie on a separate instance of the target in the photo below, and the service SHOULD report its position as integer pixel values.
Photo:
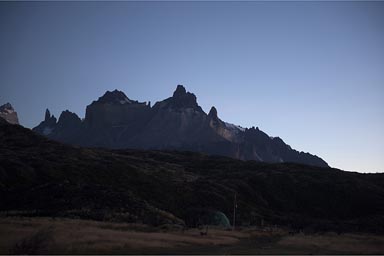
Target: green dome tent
(209, 217)
(219, 219)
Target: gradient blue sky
(311, 73)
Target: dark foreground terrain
(43, 178)
(68, 236)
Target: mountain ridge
(176, 123)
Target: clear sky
(311, 73)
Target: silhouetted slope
(42, 177)
(178, 122)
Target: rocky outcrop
(9, 114)
(176, 123)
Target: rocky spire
(49, 120)
(214, 120)
(47, 115)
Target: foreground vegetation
(69, 236)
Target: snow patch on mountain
(47, 130)
(125, 101)
(234, 127)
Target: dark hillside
(42, 177)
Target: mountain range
(177, 123)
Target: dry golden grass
(83, 236)
(69, 236)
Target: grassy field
(68, 236)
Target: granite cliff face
(9, 114)
(176, 123)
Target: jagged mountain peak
(69, 120)
(180, 91)
(68, 115)
(49, 118)
(114, 97)
(181, 99)
(6, 106)
(8, 113)
(181, 94)
(47, 126)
